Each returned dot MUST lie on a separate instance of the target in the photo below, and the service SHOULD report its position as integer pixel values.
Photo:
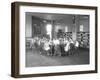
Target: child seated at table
(76, 46)
(47, 47)
(67, 47)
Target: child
(47, 47)
(67, 48)
(76, 46)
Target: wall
(64, 23)
(5, 41)
(35, 22)
(85, 23)
(35, 26)
(28, 26)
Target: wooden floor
(34, 59)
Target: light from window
(66, 29)
(81, 28)
(49, 30)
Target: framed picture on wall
(53, 39)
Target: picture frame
(19, 10)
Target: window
(49, 30)
(81, 28)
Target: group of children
(56, 46)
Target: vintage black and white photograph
(56, 39)
(52, 39)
